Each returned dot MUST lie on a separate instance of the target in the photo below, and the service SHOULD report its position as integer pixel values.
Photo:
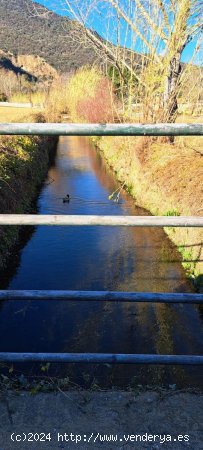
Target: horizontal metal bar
(126, 221)
(105, 296)
(96, 129)
(101, 358)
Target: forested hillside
(27, 28)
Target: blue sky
(97, 24)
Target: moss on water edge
(24, 162)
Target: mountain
(33, 68)
(27, 28)
(8, 64)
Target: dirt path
(175, 418)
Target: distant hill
(8, 64)
(33, 68)
(48, 35)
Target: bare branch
(159, 30)
(133, 27)
(165, 16)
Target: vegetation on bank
(23, 167)
(166, 182)
(163, 178)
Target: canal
(98, 258)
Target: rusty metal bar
(101, 358)
(95, 129)
(104, 296)
(78, 220)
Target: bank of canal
(98, 258)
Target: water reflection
(99, 258)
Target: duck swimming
(66, 199)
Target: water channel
(98, 258)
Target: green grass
(172, 212)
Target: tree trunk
(170, 94)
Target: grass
(17, 114)
(172, 212)
(23, 165)
(166, 180)
(36, 98)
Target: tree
(9, 83)
(161, 29)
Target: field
(8, 114)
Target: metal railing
(135, 221)
(98, 129)
(110, 221)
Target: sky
(97, 24)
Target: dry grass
(36, 98)
(165, 179)
(17, 114)
(191, 143)
(56, 102)
(188, 118)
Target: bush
(3, 97)
(56, 101)
(90, 96)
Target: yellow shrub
(90, 96)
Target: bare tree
(160, 29)
(9, 83)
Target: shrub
(56, 101)
(3, 97)
(90, 96)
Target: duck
(66, 199)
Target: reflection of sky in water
(98, 258)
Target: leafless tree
(160, 29)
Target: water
(98, 258)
